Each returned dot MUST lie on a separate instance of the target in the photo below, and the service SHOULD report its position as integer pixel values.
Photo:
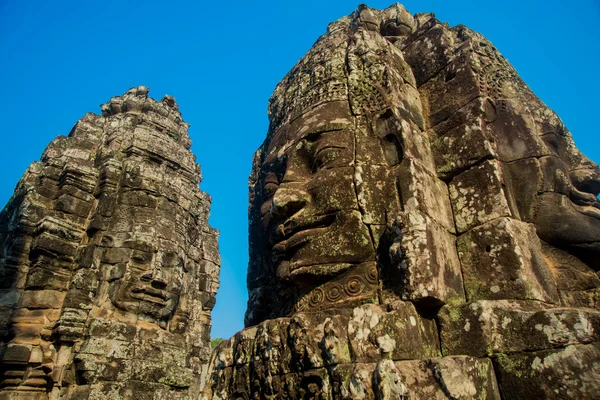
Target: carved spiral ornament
(301, 304)
(560, 257)
(334, 292)
(372, 276)
(316, 297)
(354, 286)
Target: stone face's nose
(158, 282)
(368, 18)
(586, 180)
(396, 21)
(156, 278)
(288, 201)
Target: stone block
(458, 377)
(478, 112)
(95, 368)
(407, 100)
(313, 384)
(477, 196)
(377, 193)
(516, 131)
(580, 298)
(306, 332)
(9, 297)
(502, 259)
(568, 373)
(103, 347)
(272, 354)
(424, 263)
(42, 299)
(243, 345)
(54, 276)
(570, 273)
(209, 268)
(523, 183)
(17, 354)
(109, 329)
(73, 205)
(211, 253)
(353, 381)
(502, 326)
(430, 52)
(218, 384)
(399, 334)
(423, 191)
(452, 88)
(461, 148)
(53, 245)
(240, 381)
(164, 373)
(116, 255)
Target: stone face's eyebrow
(271, 177)
(310, 135)
(323, 140)
(335, 125)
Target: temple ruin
(108, 266)
(421, 226)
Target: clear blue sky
(61, 59)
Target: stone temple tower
(421, 225)
(108, 267)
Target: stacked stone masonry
(108, 266)
(422, 226)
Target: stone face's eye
(106, 241)
(324, 156)
(551, 141)
(271, 184)
(270, 188)
(139, 257)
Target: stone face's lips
(286, 248)
(585, 200)
(590, 211)
(142, 292)
(395, 28)
(331, 269)
(292, 231)
(586, 180)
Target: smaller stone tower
(108, 267)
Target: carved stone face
(397, 22)
(554, 185)
(144, 270)
(310, 211)
(316, 197)
(144, 279)
(568, 209)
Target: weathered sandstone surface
(108, 267)
(422, 226)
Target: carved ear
(106, 241)
(388, 128)
(392, 149)
(491, 113)
(179, 322)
